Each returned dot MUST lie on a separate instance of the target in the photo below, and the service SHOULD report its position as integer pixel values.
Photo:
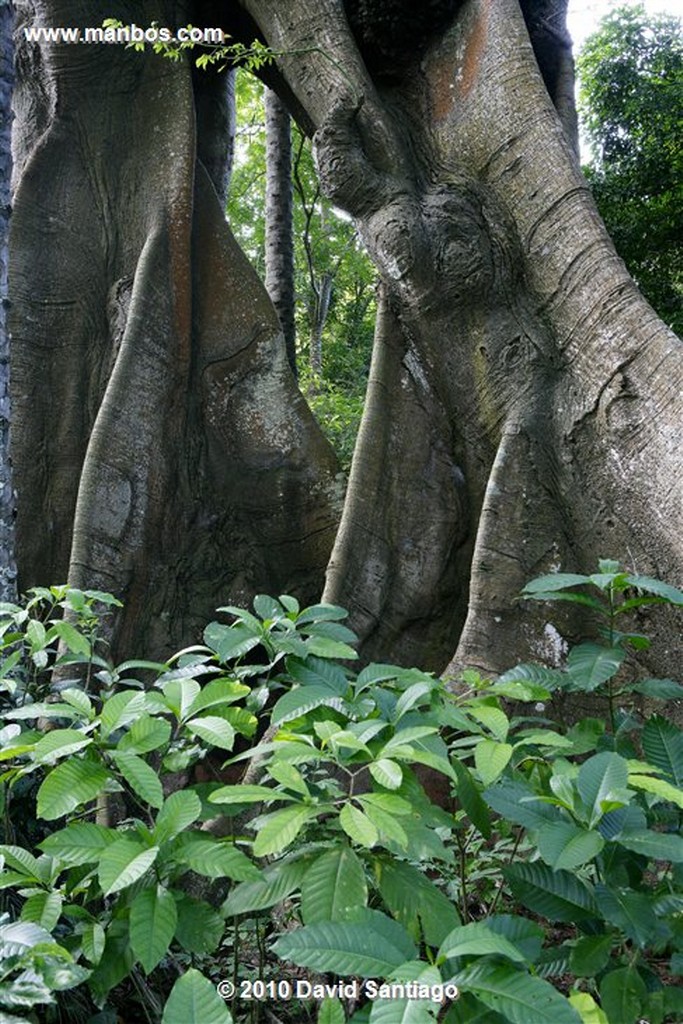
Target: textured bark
(514, 351)
(7, 500)
(279, 218)
(161, 447)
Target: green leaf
(590, 665)
(655, 845)
(601, 782)
(477, 939)
(121, 709)
(231, 642)
(519, 803)
(658, 787)
(21, 860)
(520, 998)
(661, 689)
(657, 587)
(69, 635)
(194, 1000)
(153, 919)
(358, 826)
(214, 858)
(587, 1008)
(470, 798)
(245, 794)
(554, 581)
(590, 955)
(281, 828)
(370, 947)
(630, 911)
(43, 908)
(565, 845)
(200, 927)
(303, 699)
(557, 895)
(331, 1011)
(323, 647)
(322, 613)
(289, 776)
(623, 995)
(177, 813)
(387, 773)
(124, 862)
(69, 785)
(333, 887)
(495, 720)
(142, 779)
(80, 843)
(275, 885)
(218, 692)
(146, 734)
(662, 742)
(93, 940)
(415, 901)
(78, 699)
(491, 759)
(213, 730)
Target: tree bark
(279, 219)
(550, 392)
(161, 447)
(8, 572)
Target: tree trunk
(525, 406)
(8, 570)
(320, 307)
(161, 448)
(279, 219)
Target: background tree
(7, 502)
(631, 78)
(279, 227)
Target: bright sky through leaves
(584, 15)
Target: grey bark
(161, 448)
(8, 572)
(279, 247)
(547, 394)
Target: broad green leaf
(358, 826)
(495, 720)
(142, 779)
(416, 901)
(331, 630)
(557, 895)
(542, 738)
(213, 730)
(590, 955)
(289, 776)
(281, 828)
(153, 919)
(303, 699)
(323, 647)
(218, 692)
(44, 908)
(526, 935)
(231, 642)
(538, 675)
(517, 802)
(121, 709)
(80, 843)
(245, 794)
(387, 773)
(491, 759)
(331, 1011)
(657, 587)
(275, 885)
(199, 928)
(655, 845)
(590, 665)
(333, 887)
(69, 785)
(21, 860)
(477, 939)
(180, 694)
(214, 858)
(69, 635)
(405, 737)
(78, 699)
(554, 581)
(402, 1011)
(41, 709)
(124, 862)
(565, 845)
(587, 1008)
(194, 1000)
(93, 940)
(662, 742)
(389, 828)
(412, 696)
(267, 607)
(520, 998)
(177, 813)
(18, 936)
(630, 911)
(661, 689)
(145, 734)
(658, 787)
(623, 995)
(371, 946)
(322, 613)
(116, 961)
(601, 780)
(470, 798)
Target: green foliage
(559, 853)
(631, 105)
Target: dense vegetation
(488, 863)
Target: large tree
(524, 404)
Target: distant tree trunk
(279, 219)
(161, 448)
(8, 575)
(319, 308)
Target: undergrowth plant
(381, 844)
